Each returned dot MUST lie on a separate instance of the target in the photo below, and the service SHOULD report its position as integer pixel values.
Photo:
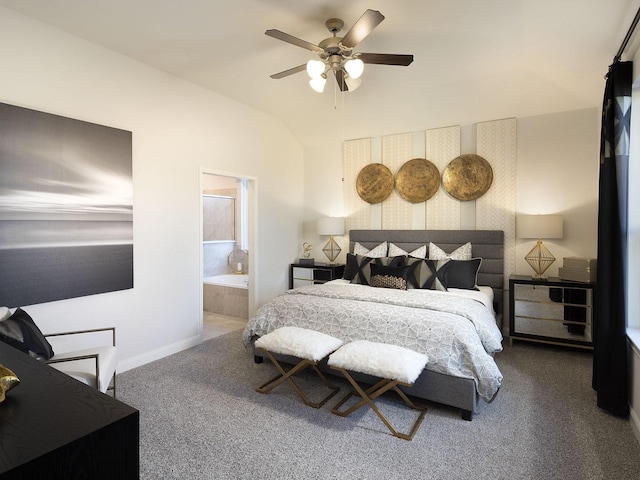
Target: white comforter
(458, 334)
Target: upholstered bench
(393, 364)
(307, 345)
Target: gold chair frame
(285, 375)
(373, 392)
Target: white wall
(178, 128)
(558, 168)
(323, 195)
(557, 172)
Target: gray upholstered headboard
(487, 244)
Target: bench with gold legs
(393, 364)
(307, 345)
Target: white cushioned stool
(393, 364)
(309, 346)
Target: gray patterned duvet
(458, 334)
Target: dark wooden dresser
(54, 427)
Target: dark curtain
(610, 345)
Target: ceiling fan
(337, 55)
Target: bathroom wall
(215, 253)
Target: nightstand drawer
(553, 329)
(301, 275)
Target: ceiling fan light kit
(337, 55)
(354, 67)
(318, 83)
(315, 68)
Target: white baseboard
(157, 354)
(634, 421)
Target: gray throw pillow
(21, 332)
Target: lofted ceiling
(474, 60)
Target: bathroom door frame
(252, 222)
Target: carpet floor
(200, 418)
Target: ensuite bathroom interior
(225, 254)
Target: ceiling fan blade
(291, 71)
(386, 59)
(363, 27)
(285, 37)
(342, 84)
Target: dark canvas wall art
(66, 208)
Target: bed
(457, 329)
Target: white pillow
(377, 252)
(4, 313)
(396, 251)
(460, 253)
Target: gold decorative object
(307, 247)
(374, 183)
(331, 226)
(539, 227)
(238, 261)
(417, 180)
(540, 259)
(8, 380)
(467, 177)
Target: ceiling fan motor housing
(334, 25)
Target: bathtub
(227, 295)
(229, 280)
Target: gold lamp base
(332, 249)
(540, 259)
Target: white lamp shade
(352, 83)
(318, 84)
(331, 226)
(315, 68)
(354, 67)
(539, 226)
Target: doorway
(226, 267)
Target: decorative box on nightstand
(551, 311)
(300, 275)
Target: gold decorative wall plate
(374, 183)
(417, 180)
(467, 177)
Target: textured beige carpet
(202, 419)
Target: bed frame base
(431, 386)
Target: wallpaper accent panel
(397, 213)
(497, 142)
(357, 155)
(442, 146)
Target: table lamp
(331, 226)
(539, 227)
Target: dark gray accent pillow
(21, 332)
(458, 273)
(389, 277)
(358, 268)
(422, 273)
(351, 268)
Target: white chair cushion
(299, 342)
(380, 360)
(85, 370)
